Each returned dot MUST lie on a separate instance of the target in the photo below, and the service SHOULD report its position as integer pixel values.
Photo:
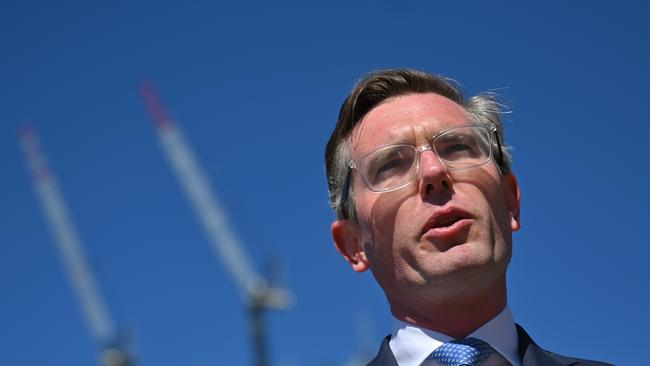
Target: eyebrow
(403, 136)
(407, 135)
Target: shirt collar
(411, 344)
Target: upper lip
(445, 216)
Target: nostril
(429, 188)
(444, 185)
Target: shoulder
(385, 356)
(577, 361)
(533, 355)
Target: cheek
(380, 256)
(389, 264)
(392, 211)
(488, 203)
(500, 214)
(500, 229)
(379, 238)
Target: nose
(434, 178)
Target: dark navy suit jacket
(531, 355)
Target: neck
(457, 317)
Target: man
(420, 181)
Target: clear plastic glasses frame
(391, 167)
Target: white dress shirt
(411, 344)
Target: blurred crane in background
(114, 350)
(258, 293)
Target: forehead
(407, 118)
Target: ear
(512, 196)
(347, 240)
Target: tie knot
(470, 352)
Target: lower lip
(448, 231)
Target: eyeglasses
(392, 167)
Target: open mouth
(446, 221)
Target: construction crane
(96, 316)
(256, 292)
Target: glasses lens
(388, 167)
(463, 147)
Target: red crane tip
(26, 131)
(159, 115)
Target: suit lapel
(385, 356)
(532, 355)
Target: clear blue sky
(256, 86)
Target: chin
(463, 267)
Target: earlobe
(513, 200)
(347, 240)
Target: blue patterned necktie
(470, 352)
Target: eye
(458, 145)
(458, 149)
(389, 164)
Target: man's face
(445, 235)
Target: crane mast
(256, 293)
(69, 246)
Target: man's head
(441, 227)
(379, 86)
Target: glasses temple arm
(500, 158)
(345, 192)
